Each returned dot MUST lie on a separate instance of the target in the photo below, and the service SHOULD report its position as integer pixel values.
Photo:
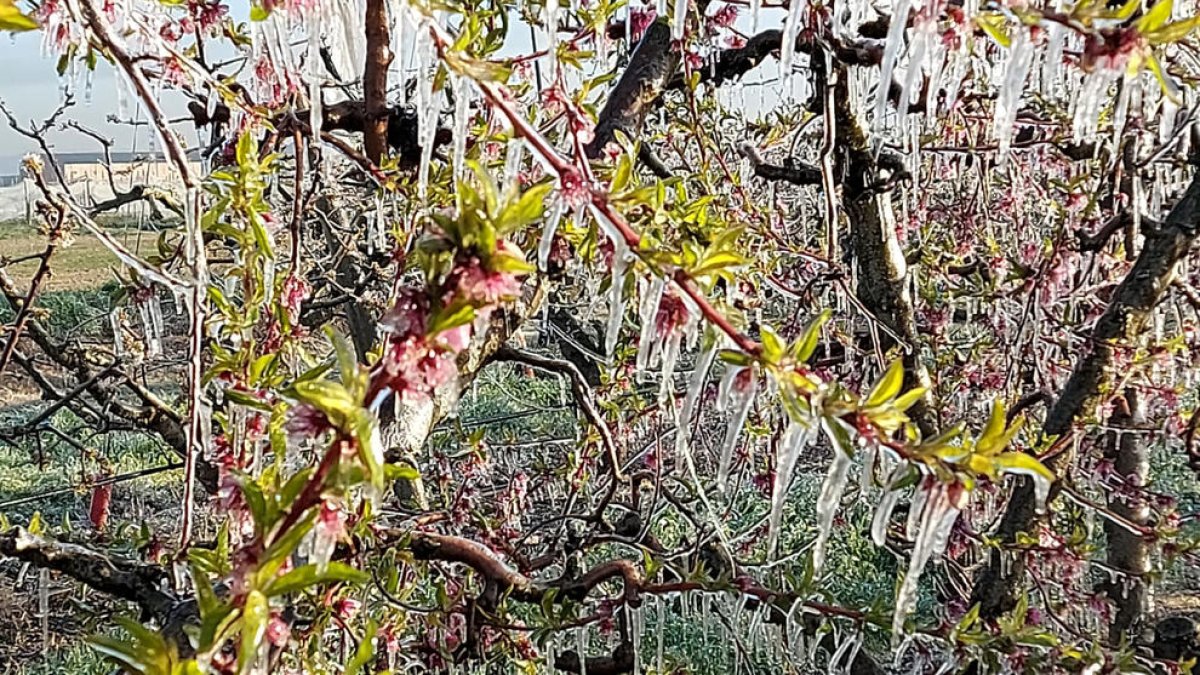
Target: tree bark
(882, 271)
(1117, 330)
(1128, 551)
(650, 69)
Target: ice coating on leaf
(827, 503)
(738, 402)
(937, 515)
(891, 53)
(547, 240)
(795, 439)
(1020, 58)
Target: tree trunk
(1117, 329)
(882, 272)
(1128, 551)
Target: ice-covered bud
(672, 315)
(409, 315)
(576, 192)
(306, 421)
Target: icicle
(1088, 101)
(582, 644)
(635, 635)
(1121, 113)
(616, 308)
(648, 312)
(427, 107)
(926, 34)
(316, 114)
(114, 318)
(400, 38)
(828, 502)
(462, 118)
(44, 605)
(938, 513)
(679, 20)
(547, 240)
(670, 354)
(794, 441)
(1020, 57)
(787, 50)
(1052, 59)
(552, 40)
(695, 387)
(514, 153)
(659, 629)
(891, 52)
(883, 516)
(755, 10)
(739, 402)
(149, 329)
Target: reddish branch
(375, 77)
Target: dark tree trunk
(1128, 551)
(1118, 329)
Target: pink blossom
(672, 315)
(574, 188)
(278, 630)
(725, 17)
(306, 421)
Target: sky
(32, 89)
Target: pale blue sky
(30, 86)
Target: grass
(66, 465)
(85, 264)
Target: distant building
(87, 169)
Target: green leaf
(888, 385)
(524, 211)
(1019, 463)
(401, 472)
(364, 653)
(307, 576)
(992, 23)
(772, 346)
(734, 357)
(11, 18)
(1158, 15)
(256, 612)
(909, 398)
(803, 350)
